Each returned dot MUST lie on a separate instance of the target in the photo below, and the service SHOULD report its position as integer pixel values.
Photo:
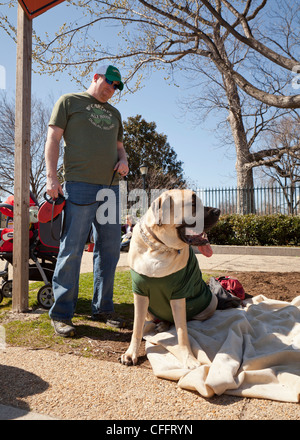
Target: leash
(52, 218)
(87, 204)
(47, 212)
(112, 179)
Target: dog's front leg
(141, 304)
(185, 354)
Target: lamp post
(144, 172)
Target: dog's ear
(161, 210)
(167, 211)
(164, 211)
(156, 209)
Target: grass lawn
(34, 329)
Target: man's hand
(53, 187)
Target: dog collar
(162, 247)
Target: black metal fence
(267, 200)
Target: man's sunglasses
(116, 86)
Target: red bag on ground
(233, 286)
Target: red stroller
(43, 250)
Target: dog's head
(178, 216)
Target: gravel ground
(75, 388)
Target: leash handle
(57, 201)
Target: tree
(231, 39)
(144, 144)
(282, 165)
(173, 30)
(240, 120)
(40, 115)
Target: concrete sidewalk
(13, 413)
(251, 259)
(225, 258)
(237, 259)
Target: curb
(275, 251)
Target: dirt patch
(280, 286)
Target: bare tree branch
(249, 40)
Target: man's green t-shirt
(91, 131)
(186, 283)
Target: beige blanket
(252, 351)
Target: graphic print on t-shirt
(100, 117)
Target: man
(94, 157)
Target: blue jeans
(83, 210)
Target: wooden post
(22, 163)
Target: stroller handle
(11, 207)
(6, 205)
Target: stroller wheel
(7, 289)
(1, 295)
(45, 296)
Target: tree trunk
(245, 184)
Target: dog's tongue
(206, 250)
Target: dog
(160, 256)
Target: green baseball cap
(111, 73)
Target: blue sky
(204, 161)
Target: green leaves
(256, 230)
(144, 144)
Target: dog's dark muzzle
(211, 217)
(187, 234)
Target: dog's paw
(191, 362)
(128, 359)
